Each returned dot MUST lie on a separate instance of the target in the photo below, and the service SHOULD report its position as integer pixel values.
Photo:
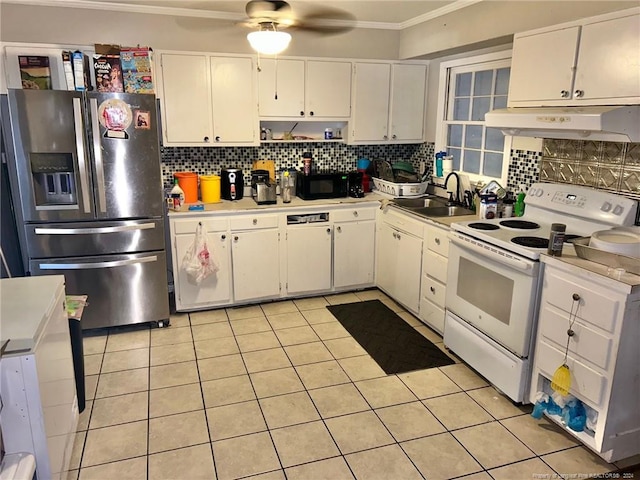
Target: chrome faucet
(457, 199)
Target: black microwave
(321, 185)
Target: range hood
(608, 123)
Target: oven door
(493, 290)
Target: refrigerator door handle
(97, 152)
(92, 265)
(81, 153)
(88, 231)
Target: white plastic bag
(197, 262)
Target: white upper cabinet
(595, 61)
(389, 103)
(304, 89)
(208, 100)
(328, 89)
(186, 99)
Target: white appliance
(494, 273)
(37, 383)
(606, 123)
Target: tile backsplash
(326, 156)
(609, 166)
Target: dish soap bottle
(518, 207)
(177, 195)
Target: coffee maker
(263, 190)
(356, 189)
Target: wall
(487, 24)
(74, 26)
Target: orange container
(188, 182)
(210, 188)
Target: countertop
(247, 204)
(26, 303)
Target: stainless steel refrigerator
(85, 177)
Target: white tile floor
(281, 390)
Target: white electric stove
(494, 275)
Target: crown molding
(189, 12)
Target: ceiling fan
(271, 17)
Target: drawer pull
(433, 290)
(255, 221)
(437, 240)
(355, 213)
(570, 333)
(223, 237)
(575, 297)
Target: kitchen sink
(443, 211)
(422, 202)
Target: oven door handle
(490, 252)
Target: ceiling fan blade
(326, 21)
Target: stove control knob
(606, 206)
(618, 209)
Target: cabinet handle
(433, 290)
(339, 229)
(398, 237)
(217, 139)
(223, 237)
(437, 240)
(395, 235)
(301, 113)
(255, 221)
(355, 213)
(575, 297)
(206, 139)
(564, 93)
(328, 230)
(394, 136)
(311, 113)
(578, 93)
(384, 137)
(235, 238)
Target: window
(469, 88)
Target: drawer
(586, 343)
(432, 315)
(353, 214)
(403, 222)
(585, 382)
(435, 266)
(598, 305)
(190, 225)
(253, 222)
(437, 240)
(433, 291)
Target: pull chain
(276, 83)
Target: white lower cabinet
(603, 354)
(399, 258)
(353, 253)
(215, 289)
(254, 257)
(308, 258)
(434, 277)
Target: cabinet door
(353, 253)
(408, 103)
(309, 259)
(216, 288)
(542, 67)
(370, 117)
(328, 89)
(235, 116)
(399, 261)
(186, 99)
(609, 61)
(281, 88)
(256, 264)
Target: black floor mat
(394, 344)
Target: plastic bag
(197, 262)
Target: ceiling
(381, 14)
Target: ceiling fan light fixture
(268, 40)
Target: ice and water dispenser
(53, 178)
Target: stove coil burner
(519, 224)
(531, 242)
(483, 226)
